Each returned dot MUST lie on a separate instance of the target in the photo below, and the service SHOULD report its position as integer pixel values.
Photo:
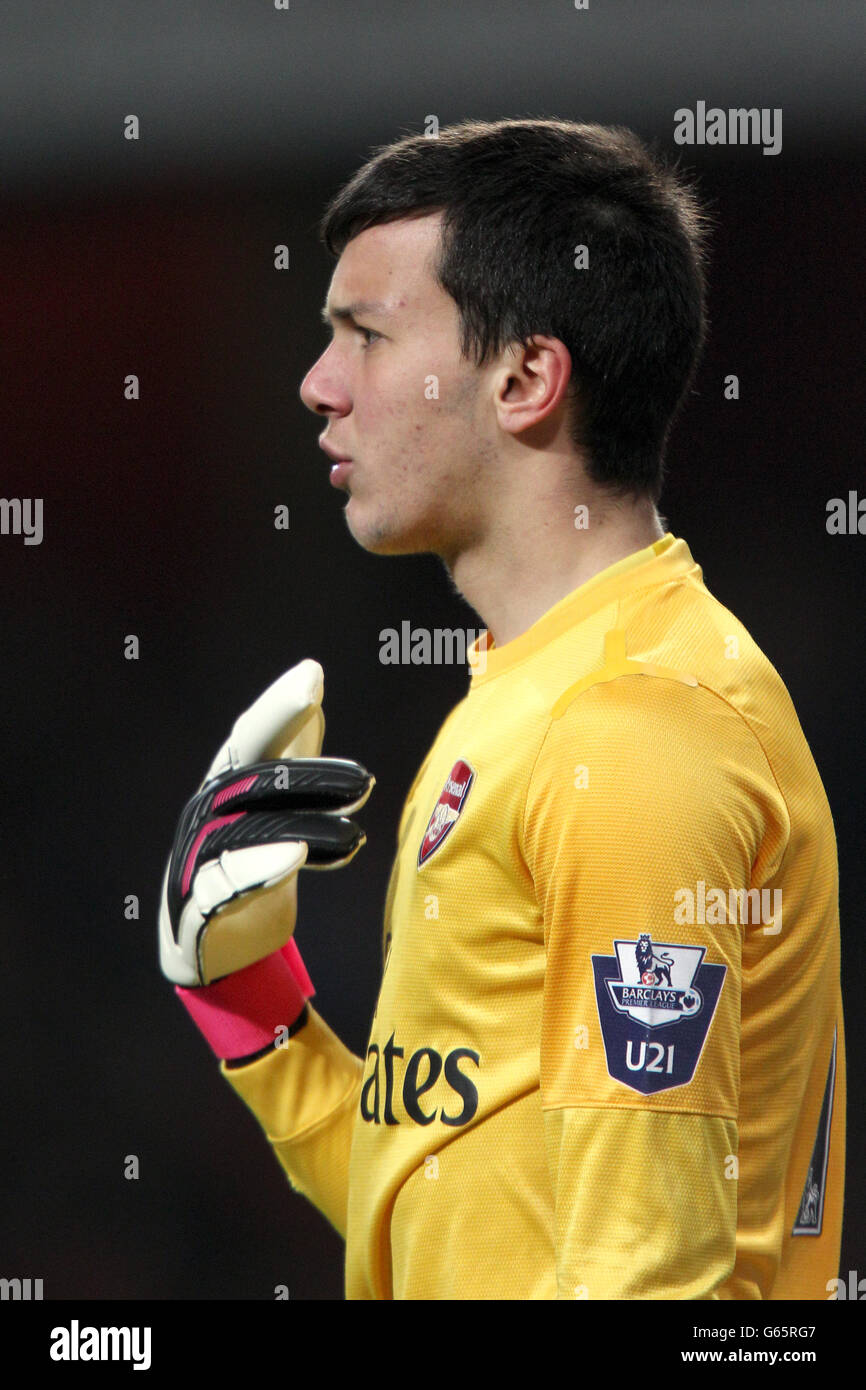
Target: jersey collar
(663, 562)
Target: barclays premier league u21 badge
(656, 1001)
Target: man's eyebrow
(350, 311)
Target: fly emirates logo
(425, 1087)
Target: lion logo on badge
(654, 969)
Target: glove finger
(240, 870)
(338, 785)
(248, 928)
(174, 963)
(332, 841)
(285, 720)
(336, 859)
(241, 908)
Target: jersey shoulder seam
(618, 667)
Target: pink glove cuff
(242, 1013)
(292, 956)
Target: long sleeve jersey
(607, 1059)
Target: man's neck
(524, 565)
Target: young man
(607, 1058)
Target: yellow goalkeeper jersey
(607, 1059)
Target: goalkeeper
(607, 1059)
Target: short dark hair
(518, 196)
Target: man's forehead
(385, 268)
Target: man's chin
(378, 537)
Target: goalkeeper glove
(268, 806)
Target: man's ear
(532, 382)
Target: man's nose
(321, 390)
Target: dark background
(156, 257)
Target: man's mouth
(340, 471)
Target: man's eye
(368, 334)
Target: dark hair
(517, 197)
